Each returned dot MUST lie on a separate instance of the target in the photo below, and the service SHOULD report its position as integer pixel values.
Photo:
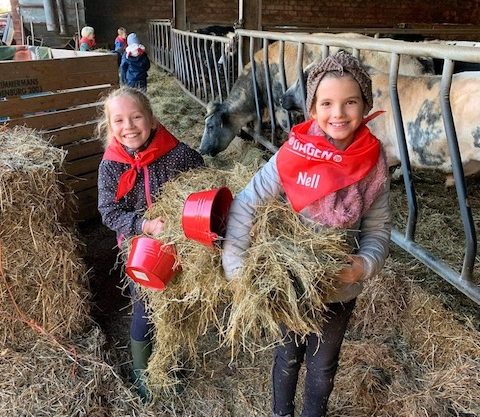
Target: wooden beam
(82, 166)
(252, 19)
(15, 107)
(69, 134)
(83, 149)
(57, 119)
(82, 183)
(180, 13)
(31, 77)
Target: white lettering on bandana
(310, 151)
(306, 180)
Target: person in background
(87, 41)
(140, 156)
(120, 43)
(135, 64)
(352, 193)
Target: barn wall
(211, 12)
(376, 13)
(107, 15)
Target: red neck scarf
(123, 41)
(162, 142)
(90, 42)
(310, 167)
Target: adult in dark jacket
(135, 64)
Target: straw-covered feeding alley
(411, 349)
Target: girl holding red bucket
(140, 156)
(333, 171)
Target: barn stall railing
(161, 51)
(205, 65)
(186, 72)
(462, 280)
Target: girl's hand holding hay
(354, 272)
(153, 227)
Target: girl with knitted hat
(135, 64)
(332, 171)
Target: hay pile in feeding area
(50, 381)
(43, 281)
(289, 270)
(406, 354)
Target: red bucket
(151, 263)
(204, 215)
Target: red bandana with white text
(310, 167)
(162, 142)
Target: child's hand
(154, 226)
(354, 272)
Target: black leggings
(321, 358)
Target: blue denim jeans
(140, 327)
(321, 360)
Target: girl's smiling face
(338, 108)
(129, 122)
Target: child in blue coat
(135, 64)
(120, 43)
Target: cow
(422, 119)
(458, 66)
(214, 48)
(225, 119)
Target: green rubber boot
(141, 352)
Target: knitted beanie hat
(341, 62)
(132, 38)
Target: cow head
(219, 131)
(293, 99)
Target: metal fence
(188, 68)
(160, 39)
(205, 65)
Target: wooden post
(252, 14)
(180, 14)
(252, 19)
(15, 12)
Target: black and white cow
(224, 120)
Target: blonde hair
(87, 31)
(121, 30)
(103, 126)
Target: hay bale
(42, 278)
(73, 380)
